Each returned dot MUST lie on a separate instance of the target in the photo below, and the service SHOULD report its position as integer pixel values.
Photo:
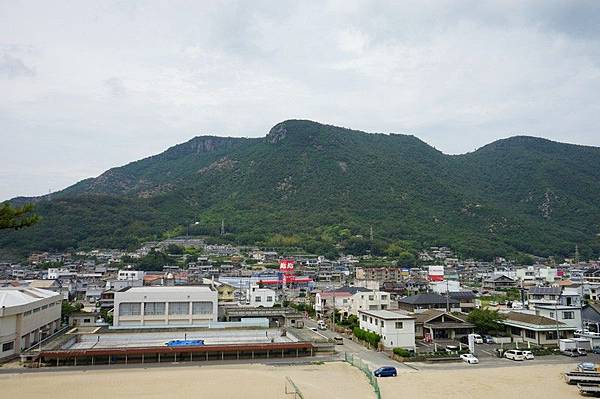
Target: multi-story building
(261, 297)
(380, 274)
(397, 330)
(27, 316)
(165, 306)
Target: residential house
(421, 302)
(499, 282)
(434, 324)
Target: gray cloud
(133, 78)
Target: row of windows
(398, 325)
(159, 308)
(44, 307)
(259, 299)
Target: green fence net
(358, 363)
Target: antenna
(576, 254)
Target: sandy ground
(331, 381)
(525, 382)
(255, 381)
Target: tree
(485, 320)
(68, 309)
(16, 217)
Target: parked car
(321, 325)
(570, 352)
(514, 354)
(582, 352)
(477, 338)
(469, 358)
(488, 339)
(528, 355)
(338, 340)
(386, 371)
(596, 350)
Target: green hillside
(321, 186)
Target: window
(530, 334)
(154, 308)
(371, 320)
(8, 346)
(36, 310)
(44, 307)
(27, 313)
(568, 315)
(552, 315)
(364, 318)
(179, 308)
(371, 298)
(87, 320)
(384, 297)
(202, 307)
(257, 299)
(550, 335)
(376, 323)
(382, 323)
(130, 309)
(269, 299)
(399, 325)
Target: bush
(368, 336)
(403, 352)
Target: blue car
(385, 372)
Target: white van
(514, 354)
(321, 325)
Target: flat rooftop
(177, 289)
(159, 339)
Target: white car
(469, 358)
(528, 355)
(514, 354)
(477, 339)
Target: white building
(56, 273)
(130, 275)
(261, 297)
(369, 300)
(397, 330)
(165, 307)
(27, 316)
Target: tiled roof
(532, 319)
(425, 299)
(545, 291)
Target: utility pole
(371, 233)
(447, 296)
(222, 227)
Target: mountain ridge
(517, 195)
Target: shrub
(402, 352)
(368, 336)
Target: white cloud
(132, 78)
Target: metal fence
(358, 363)
(292, 389)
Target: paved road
(372, 358)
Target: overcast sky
(85, 86)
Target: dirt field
(331, 381)
(527, 382)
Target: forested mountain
(321, 186)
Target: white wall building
(397, 330)
(165, 307)
(261, 297)
(27, 316)
(56, 273)
(130, 275)
(369, 300)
